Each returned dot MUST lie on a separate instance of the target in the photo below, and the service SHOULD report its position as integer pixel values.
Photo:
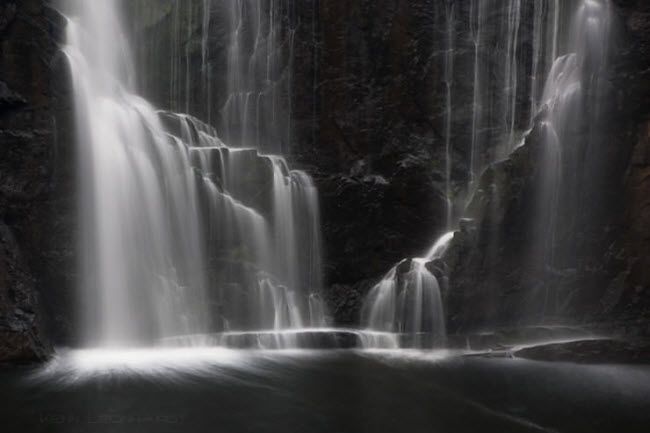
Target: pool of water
(222, 390)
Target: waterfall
(408, 302)
(570, 103)
(182, 234)
(186, 232)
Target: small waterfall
(181, 234)
(408, 302)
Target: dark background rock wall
(36, 181)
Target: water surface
(221, 390)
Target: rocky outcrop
(629, 297)
(20, 336)
(36, 194)
(495, 278)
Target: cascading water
(226, 62)
(181, 234)
(398, 302)
(142, 266)
(257, 109)
(407, 302)
(476, 25)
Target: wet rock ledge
(591, 352)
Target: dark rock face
(629, 295)
(36, 178)
(345, 301)
(495, 279)
(20, 336)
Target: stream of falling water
(448, 80)
(511, 78)
(408, 303)
(182, 234)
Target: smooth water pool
(222, 390)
